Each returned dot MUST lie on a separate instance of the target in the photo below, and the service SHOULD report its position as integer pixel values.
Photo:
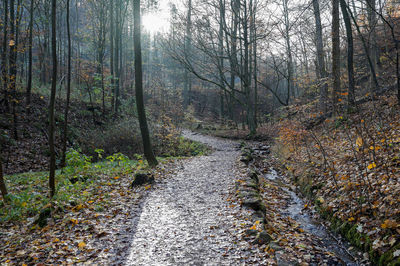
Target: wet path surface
(187, 220)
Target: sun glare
(154, 22)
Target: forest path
(186, 219)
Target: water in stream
(295, 210)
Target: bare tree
(3, 188)
(321, 70)
(53, 99)
(335, 54)
(30, 43)
(148, 151)
(66, 112)
(350, 53)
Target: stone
(248, 194)
(246, 158)
(254, 176)
(43, 216)
(142, 178)
(275, 246)
(251, 232)
(254, 203)
(251, 184)
(262, 238)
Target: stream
(326, 239)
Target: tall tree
(112, 72)
(53, 99)
(335, 54)
(372, 44)
(290, 70)
(4, 72)
(65, 131)
(13, 63)
(29, 84)
(350, 53)
(148, 151)
(321, 70)
(3, 188)
(188, 43)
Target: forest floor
(346, 167)
(191, 215)
(195, 217)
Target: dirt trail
(187, 220)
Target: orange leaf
(82, 245)
(371, 166)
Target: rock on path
(186, 220)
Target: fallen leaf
(82, 245)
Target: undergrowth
(80, 181)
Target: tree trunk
(350, 53)
(366, 49)
(29, 85)
(4, 71)
(188, 38)
(335, 54)
(3, 187)
(52, 99)
(246, 74)
(65, 131)
(255, 63)
(290, 85)
(320, 57)
(221, 54)
(13, 66)
(372, 44)
(112, 54)
(148, 152)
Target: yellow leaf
(351, 219)
(82, 245)
(147, 187)
(90, 201)
(24, 204)
(371, 166)
(359, 142)
(389, 224)
(79, 207)
(74, 221)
